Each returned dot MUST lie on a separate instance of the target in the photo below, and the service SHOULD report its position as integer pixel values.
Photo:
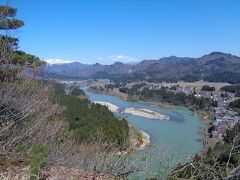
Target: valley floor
(205, 116)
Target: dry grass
(61, 172)
(198, 84)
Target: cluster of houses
(223, 116)
(223, 119)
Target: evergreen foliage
(23, 58)
(208, 88)
(87, 119)
(10, 58)
(235, 104)
(8, 23)
(164, 95)
(77, 92)
(38, 158)
(232, 89)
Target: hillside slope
(215, 67)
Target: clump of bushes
(208, 88)
(38, 158)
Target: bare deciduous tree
(21, 99)
(211, 167)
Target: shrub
(38, 157)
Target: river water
(180, 134)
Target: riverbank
(138, 139)
(109, 92)
(110, 106)
(146, 140)
(208, 142)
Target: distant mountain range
(215, 67)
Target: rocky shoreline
(146, 140)
(138, 139)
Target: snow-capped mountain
(58, 66)
(57, 61)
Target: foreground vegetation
(59, 129)
(40, 124)
(220, 162)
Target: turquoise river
(180, 136)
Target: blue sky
(105, 31)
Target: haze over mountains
(215, 67)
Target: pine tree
(8, 25)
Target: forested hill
(215, 67)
